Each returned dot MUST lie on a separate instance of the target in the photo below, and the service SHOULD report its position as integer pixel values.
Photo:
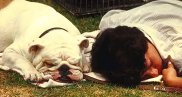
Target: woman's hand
(169, 74)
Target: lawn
(13, 85)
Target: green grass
(13, 85)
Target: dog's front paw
(33, 75)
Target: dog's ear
(82, 42)
(35, 47)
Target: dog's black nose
(64, 70)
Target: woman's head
(119, 55)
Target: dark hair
(119, 55)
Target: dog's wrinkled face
(62, 59)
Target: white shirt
(160, 21)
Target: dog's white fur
(21, 23)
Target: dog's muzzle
(66, 74)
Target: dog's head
(59, 53)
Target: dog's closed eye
(48, 64)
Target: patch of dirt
(3, 76)
(8, 91)
(12, 91)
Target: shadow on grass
(13, 79)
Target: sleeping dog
(35, 39)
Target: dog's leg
(17, 62)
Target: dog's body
(21, 24)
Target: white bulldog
(34, 39)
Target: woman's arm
(170, 77)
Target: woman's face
(153, 63)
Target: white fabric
(160, 21)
